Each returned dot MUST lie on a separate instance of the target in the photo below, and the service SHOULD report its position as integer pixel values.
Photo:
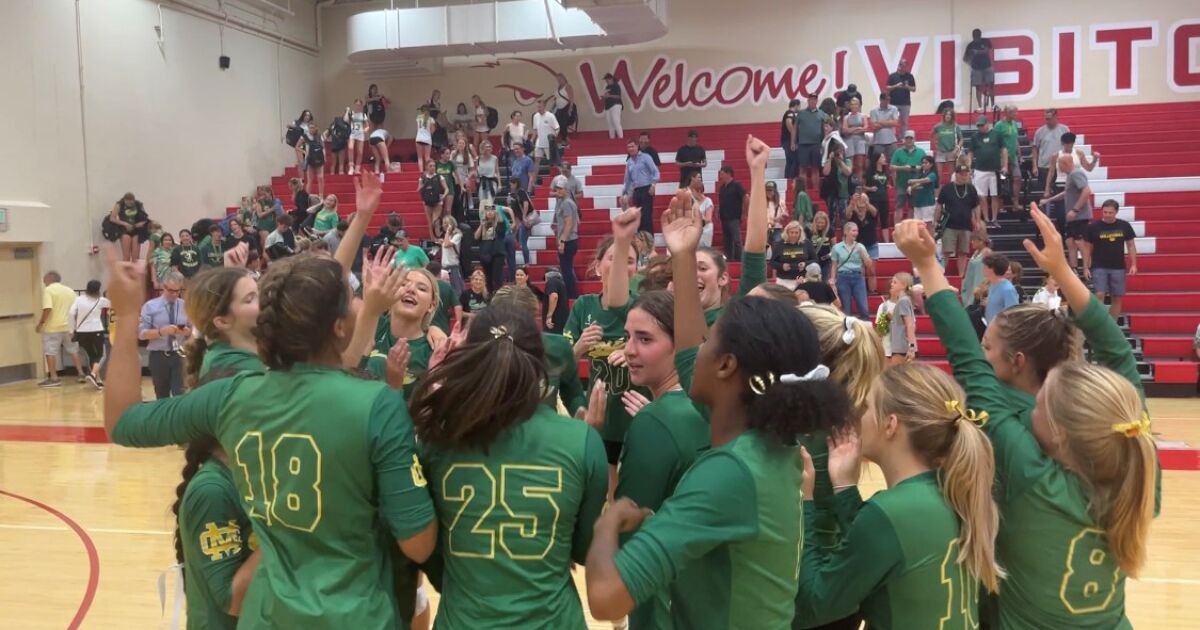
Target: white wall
(166, 124)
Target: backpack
(431, 190)
(493, 118)
(293, 135)
(109, 230)
(339, 131)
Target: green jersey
(1008, 131)
(446, 170)
(1061, 573)
(513, 519)
(323, 462)
(903, 157)
(211, 255)
(216, 538)
(160, 261)
(447, 300)
(222, 355)
(664, 440)
(585, 312)
(418, 362)
(562, 375)
(985, 149)
(899, 565)
(726, 544)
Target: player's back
(513, 519)
(305, 447)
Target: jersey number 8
(291, 493)
(526, 496)
(1091, 580)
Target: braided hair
(300, 300)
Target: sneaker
(81, 379)
(94, 381)
(50, 382)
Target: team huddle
(342, 446)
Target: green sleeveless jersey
(513, 519)
(898, 565)
(1061, 573)
(727, 543)
(217, 538)
(326, 466)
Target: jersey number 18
(283, 485)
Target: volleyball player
(517, 486)
(1076, 485)
(223, 305)
(929, 537)
(562, 370)
(338, 451)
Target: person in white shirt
(451, 261)
(87, 328)
(545, 128)
(1048, 295)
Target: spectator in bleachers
(334, 237)
(237, 234)
(902, 330)
(845, 96)
(490, 236)
(854, 134)
(447, 169)
(568, 181)
(556, 305)
(527, 218)
(408, 255)
(835, 182)
(922, 190)
(54, 326)
(164, 324)
(358, 134)
(884, 121)
(545, 134)
(821, 236)
(463, 120)
(1109, 244)
(325, 215)
(381, 143)
(520, 167)
(1048, 296)
(901, 84)
(959, 201)
(810, 123)
(1001, 293)
(424, 136)
(433, 190)
(1077, 157)
(1077, 196)
(564, 105)
(313, 147)
(514, 136)
(451, 256)
(702, 204)
(814, 289)
(1047, 143)
(979, 54)
(302, 201)
(861, 211)
(281, 242)
(476, 297)
(875, 183)
(641, 174)
(613, 105)
(733, 203)
(480, 127)
(160, 260)
(264, 213)
(777, 214)
(645, 147)
(185, 258)
(465, 172)
(690, 158)
(1016, 274)
(906, 163)
(130, 216)
(211, 254)
(1009, 129)
(297, 130)
(791, 256)
(487, 167)
(850, 262)
(376, 105)
(945, 142)
(566, 234)
(789, 131)
(988, 155)
(981, 247)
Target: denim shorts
(1109, 281)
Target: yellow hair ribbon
(970, 415)
(1133, 428)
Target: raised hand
(397, 364)
(126, 283)
(757, 153)
(915, 242)
(382, 289)
(237, 256)
(844, 455)
(682, 232)
(458, 335)
(367, 192)
(617, 359)
(597, 408)
(625, 225)
(1050, 257)
(590, 337)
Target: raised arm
(616, 288)
(382, 285)
(681, 230)
(368, 191)
(757, 220)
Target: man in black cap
(691, 158)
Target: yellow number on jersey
(1090, 581)
(526, 491)
(294, 497)
(962, 591)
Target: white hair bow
(849, 335)
(818, 373)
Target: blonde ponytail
(852, 350)
(1115, 459)
(943, 433)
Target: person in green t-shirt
(1091, 520)
(851, 349)
(562, 368)
(327, 216)
(906, 163)
(929, 537)
(408, 320)
(160, 259)
(223, 306)
(449, 306)
(325, 463)
(727, 542)
(1009, 129)
(922, 190)
(211, 253)
(516, 486)
(990, 159)
(667, 433)
(946, 141)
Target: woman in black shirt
(476, 297)
(792, 255)
(612, 107)
(876, 186)
(821, 237)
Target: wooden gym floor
(85, 527)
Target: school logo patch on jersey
(219, 542)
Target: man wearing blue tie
(164, 324)
(640, 177)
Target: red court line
(93, 558)
(52, 433)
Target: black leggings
(494, 268)
(93, 344)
